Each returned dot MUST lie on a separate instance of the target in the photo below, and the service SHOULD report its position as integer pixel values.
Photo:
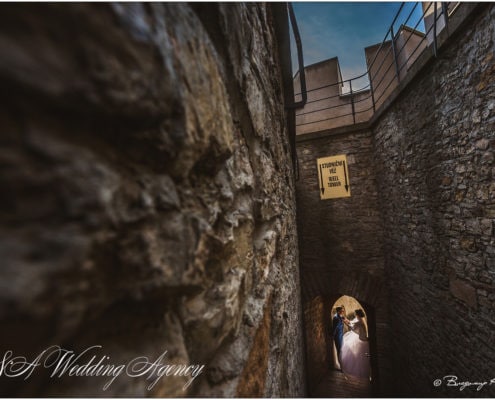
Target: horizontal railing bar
(417, 46)
(384, 75)
(334, 106)
(369, 91)
(324, 98)
(361, 100)
(414, 51)
(335, 84)
(323, 109)
(385, 90)
(331, 118)
(388, 31)
(414, 29)
(323, 120)
(319, 88)
(383, 60)
(340, 95)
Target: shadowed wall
(147, 196)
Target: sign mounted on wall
(333, 177)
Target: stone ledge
(333, 132)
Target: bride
(355, 350)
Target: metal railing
(300, 60)
(410, 33)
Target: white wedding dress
(355, 351)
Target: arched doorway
(356, 348)
(336, 383)
(324, 380)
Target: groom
(338, 322)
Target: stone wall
(147, 196)
(340, 240)
(434, 156)
(338, 235)
(317, 336)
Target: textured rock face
(147, 196)
(434, 153)
(317, 330)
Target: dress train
(355, 351)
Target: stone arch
(350, 304)
(368, 290)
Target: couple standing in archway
(353, 346)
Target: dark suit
(338, 333)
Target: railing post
(435, 28)
(352, 102)
(395, 54)
(300, 60)
(445, 12)
(372, 90)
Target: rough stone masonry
(147, 197)
(434, 157)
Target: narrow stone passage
(414, 241)
(168, 228)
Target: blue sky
(330, 29)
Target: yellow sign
(333, 177)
